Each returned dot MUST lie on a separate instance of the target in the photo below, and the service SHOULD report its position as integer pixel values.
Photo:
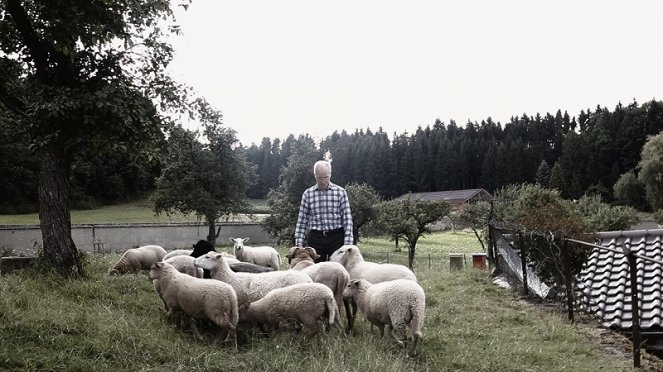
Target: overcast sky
(276, 67)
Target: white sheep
(397, 303)
(136, 259)
(331, 274)
(177, 252)
(351, 258)
(198, 298)
(248, 286)
(263, 256)
(183, 264)
(304, 303)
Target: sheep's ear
(232, 239)
(291, 252)
(246, 240)
(312, 252)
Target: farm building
(454, 197)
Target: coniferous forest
(585, 153)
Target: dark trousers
(325, 243)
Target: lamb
(398, 303)
(201, 247)
(331, 274)
(249, 287)
(135, 259)
(183, 264)
(351, 258)
(177, 252)
(263, 256)
(305, 303)
(198, 298)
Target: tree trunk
(410, 256)
(54, 214)
(211, 231)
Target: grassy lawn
(134, 212)
(117, 323)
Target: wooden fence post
(635, 306)
(523, 262)
(568, 280)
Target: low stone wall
(26, 239)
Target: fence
(504, 243)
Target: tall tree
(651, 170)
(208, 180)
(543, 174)
(84, 75)
(295, 177)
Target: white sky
(276, 67)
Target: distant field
(134, 212)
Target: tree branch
(38, 50)
(10, 101)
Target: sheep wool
(351, 258)
(198, 298)
(136, 259)
(399, 303)
(177, 252)
(331, 274)
(305, 303)
(249, 287)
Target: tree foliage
(630, 191)
(651, 170)
(209, 180)
(85, 76)
(364, 202)
(410, 219)
(284, 201)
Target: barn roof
(603, 286)
(450, 196)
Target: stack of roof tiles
(603, 288)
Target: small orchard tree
(628, 190)
(363, 202)
(209, 180)
(476, 216)
(409, 219)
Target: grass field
(134, 212)
(116, 323)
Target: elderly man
(325, 210)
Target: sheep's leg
(398, 332)
(350, 311)
(196, 332)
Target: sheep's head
(202, 247)
(238, 243)
(342, 254)
(299, 254)
(156, 270)
(209, 260)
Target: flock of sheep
(250, 286)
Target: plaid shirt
(324, 210)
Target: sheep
(135, 259)
(249, 287)
(177, 252)
(198, 298)
(398, 303)
(304, 303)
(351, 258)
(201, 247)
(263, 256)
(331, 274)
(183, 264)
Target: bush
(658, 217)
